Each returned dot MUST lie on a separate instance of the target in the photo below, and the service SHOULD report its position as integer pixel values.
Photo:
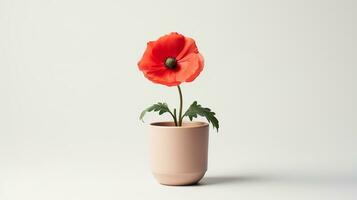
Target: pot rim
(185, 125)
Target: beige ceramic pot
(179, 154)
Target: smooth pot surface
(179, 154)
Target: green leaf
(196, 109)
(158, 107)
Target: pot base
(179, 179)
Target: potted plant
(178, 148)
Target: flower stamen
(171, 63)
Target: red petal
(148, 61)
(190, 47)
(190, 67)
(168, 46)
(165, 77)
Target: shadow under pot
(178, 154)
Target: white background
(281, 76)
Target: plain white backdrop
(281, 76)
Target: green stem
(181, 103)
(175, 117)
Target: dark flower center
(171, 63)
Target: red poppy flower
(171, 60)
